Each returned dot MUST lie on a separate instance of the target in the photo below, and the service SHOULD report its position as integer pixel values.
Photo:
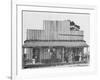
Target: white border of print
(16, 70)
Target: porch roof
(55, 43)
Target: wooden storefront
(55, 44)
(38, 52)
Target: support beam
(63, 54)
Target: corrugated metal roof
(55, 43)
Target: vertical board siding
(52, 31)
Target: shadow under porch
(53, 56)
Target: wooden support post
(23, 58)
(82, 54)
(62, 54)
(31, 53)
(70, 56)
(88, 55)
(40, 54)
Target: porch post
(39, 54)
(30, 54)
(23, 57)
(70, 56)
(88, 55)
(80, 54)
(62, 54)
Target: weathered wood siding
(54, 30)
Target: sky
(34, 20)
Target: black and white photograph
(52, 40)
(55, 39)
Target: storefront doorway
(36, 53)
